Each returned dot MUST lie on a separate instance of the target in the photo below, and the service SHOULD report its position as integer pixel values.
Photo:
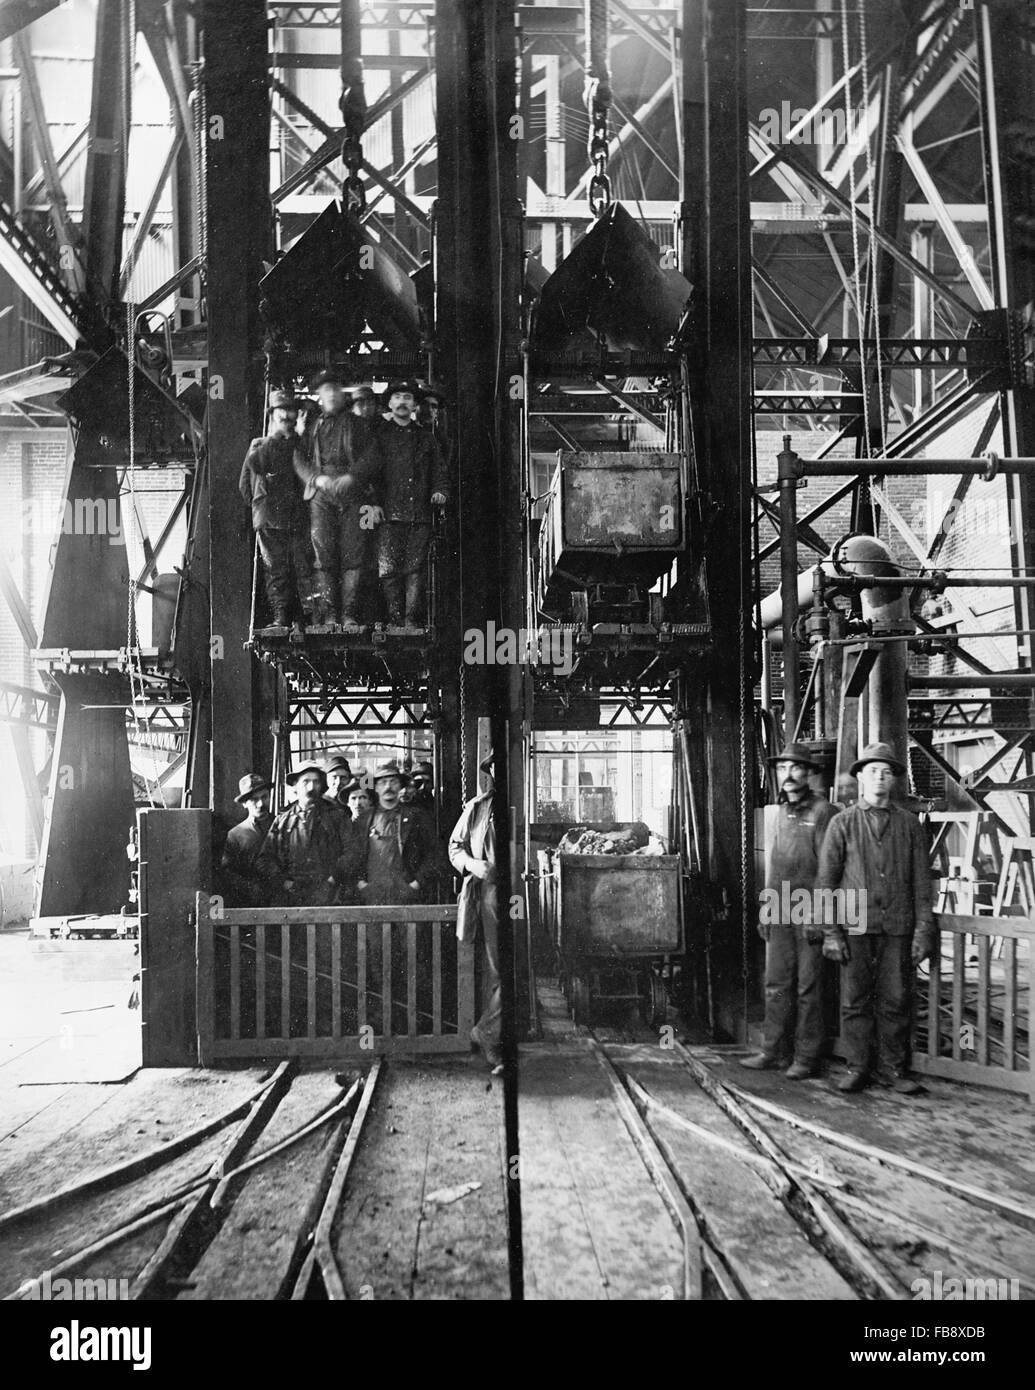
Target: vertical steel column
(236, 78)
(477, 331)
(786, 461)
(717, 252)
(1006, 70)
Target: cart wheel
(656, 1001)
(581, 1000)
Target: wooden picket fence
(331, 981)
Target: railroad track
(197, 1178)
(822, 1203)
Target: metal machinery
(621, 345)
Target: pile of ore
(626, 839)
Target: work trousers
(793, 995)
(342, 547)
(489, 1023)
(402, 563)
(287, 560)
(876, 993)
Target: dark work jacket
(340, 445)
(244, 844)
(412, 467)
(419, 850)
(269, 482)
(885, 853)
(305, 846)
(794, 854)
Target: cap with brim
(363, 393)
(878, 753)
(293, 777)
(283, 400)
(330, 377)
(423, 769)
(396, 386)
(250, 785)
(797, 753)
(354, 786)
(338, 764)
(390, 769)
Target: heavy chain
(598, 104)
(353, 106)
(463, 733)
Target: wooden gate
(331, 981)
(974, 1008)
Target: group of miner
(855, 884)
(338, 842)
(343, 492)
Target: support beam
(68, 236)
(17, 14)
(239, 239)
(111, 107)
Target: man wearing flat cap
(413, 482)
(306, 842)
(270, 485)
(338, 463)
(339, 773)
(794, 941)
(877, 851)
(242, 885)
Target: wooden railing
(974, 1008)
(331, 981)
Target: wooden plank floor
(763, 1244)
(593, 1225)
(410, 1227)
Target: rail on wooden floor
(331, 981)
(975, 1004)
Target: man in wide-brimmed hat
(242, 885)
(306, 843)
(876, 853)
(272, 488)
(795, 828)
(413, 482)
(338, 463)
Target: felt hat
(250, 785)
(796, 753)
(878, 753)
(293, 777)
(390, 769)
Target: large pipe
(887, 610)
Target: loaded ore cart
(617, 925)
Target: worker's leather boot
(351, 583)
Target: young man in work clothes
(270, 485)
(243, 885)
(794, 948)
(878, 850)
(337, 462)
(413, 481)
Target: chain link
(598, 102)
(353, 106)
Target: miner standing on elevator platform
(338, 463)
(413, 482)
(270, 485)
(794, 947)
